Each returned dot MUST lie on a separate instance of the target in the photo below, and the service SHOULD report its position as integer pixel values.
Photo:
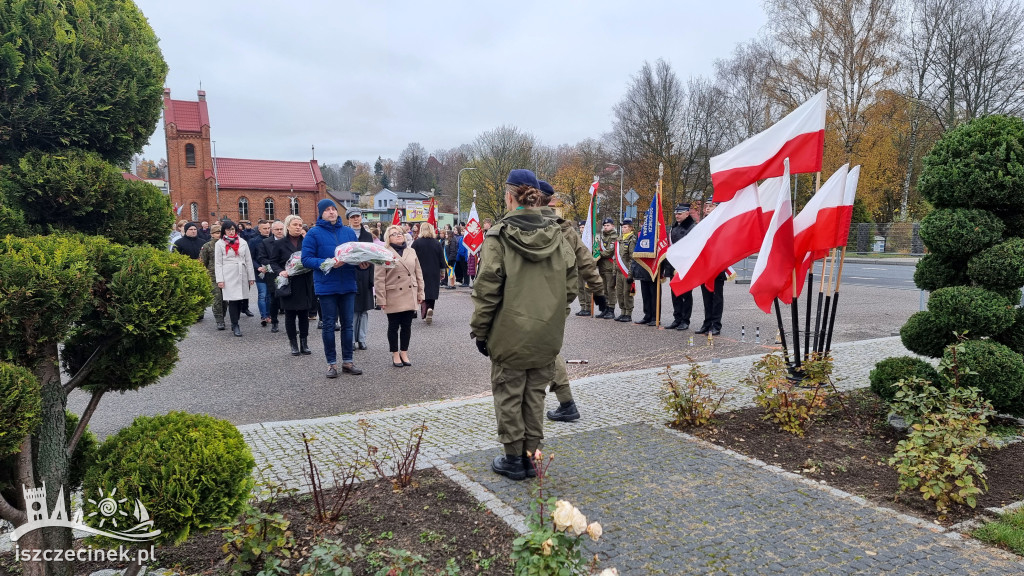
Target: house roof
(405, 195)
(185, 115)
(245, 174)
(129, 176)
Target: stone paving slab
(673, 504)
(459, 426)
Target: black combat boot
(303, 347)
(531, 472)
(509, 466)
(295, 346)
(566, 412)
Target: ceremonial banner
(800, 136)
(432, 213)
(590, 228)
(652, 243)
(619, 261)
(773, 272)
(474, 236)
(397, 219)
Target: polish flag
(397, 219)
(432, 213)
(846, 210)
(474, 234)
(773, 272)
(768, 196)
(800, 136)
(817, 227)
(729, 234)
(590, 228)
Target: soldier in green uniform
(588, 277)
(606, 266)
(206, 256)
(521, 300)
(625, 299)
(581, 287)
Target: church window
(268, 209)
(243, 208)
(194, 210)
(190, 155)
(295, 206)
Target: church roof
(238, 173)
(185, 115)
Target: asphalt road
(255, 379)
(878, 272)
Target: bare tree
(495, 153)
(452, 161)
(993, 79)
(412, 169)
(705, 133)
(747, 97)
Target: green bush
(998, 371)
(191, 471)
(969, 308)
(959, 232)
(1000, 267)
(20, 406)
(1014, 223)
(1013, 337)
(891, 370)
(980, 163)
(934, 272)
(923, 334)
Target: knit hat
(521, 176)
(189, 225)
(324, 205)
(546, 188)
(682, 208)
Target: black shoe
(351, 369)
(531, 472)
(263, 323)
(675, 324)
(337, 327)
(273, 327)
(652, 323)
(360, 346)
(608, 314)
(332, 371)
(583, 313)
(303, 347)
(294, 345)
(643, 320)
(703, 330)
(683, 326)
(397, 364)
(624, 318)
(247, 313)
(509, 466)
(236, 330)
(319, 324)
(715, 331)
(566, 412)
(220, 325)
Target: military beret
(546, 188)
(628, 221)
(608, 221)
(521, 176)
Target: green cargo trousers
(582, 294)
(609, 272)
(519, 406)
(622, 295)
(560, 382)
(218, 301)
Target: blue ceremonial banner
(647, 239)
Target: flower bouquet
(358, 253)
(293, 267)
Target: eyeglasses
(395, 234)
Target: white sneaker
(430, 315)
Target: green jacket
(522, 290)
(626, 245)
(586, 266)
(206, 256)
(608, 244)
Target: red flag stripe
(804, 152)
(777, 278)
(731, 242)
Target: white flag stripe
(851, 185)
(830, 195)
(783, 210)
(684, 253)
(808, 117)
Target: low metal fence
(886, 238)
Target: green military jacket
(608, 244)
(206, 256)
(586, 266)
(626, 245)
(526, 280)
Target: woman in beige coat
(399, 292)
(233, 270)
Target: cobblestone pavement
(669, 503)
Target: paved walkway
(669, 503)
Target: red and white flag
(800, 136)
(396, 220)
(773, 272)
(432, 213)
(589, 235)
(619, 261)
(474, 236)
(816, 228)
(846, 210)
(727, 235)
(768, 196)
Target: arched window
(194, 210)
(268, 209)
(190, 155)
(243, 208)
(295, 206)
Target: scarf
(229, 243)
(400, 248)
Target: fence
(886, 237)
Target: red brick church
(210, 188)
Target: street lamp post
(458, 195)
(621, 174)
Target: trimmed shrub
(1000, 267)
(977, 164)
(959, 232)
(999, 372)
(934, 272)
(1014, 223)
(20, 406)
(924, 335)
(971, 309)
(191, 471)
(891, 370)
(1013, 337)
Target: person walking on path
(270, 272)
(364, 282)
(431, 257)
(190, 244)
(399, 291)
(234, 271)
(452, 254)
(335, 289)
(527, 281)
(587, 271)
(299, 299)
(207, 257)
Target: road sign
(632, 196)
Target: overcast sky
(363, 79)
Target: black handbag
(284, 291)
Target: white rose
(545, 547)
(579, 522)
(562, 515)
(594, 531)
(609, 572)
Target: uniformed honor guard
(521, 299)
(622, 290)
(606, 266)
(687, 217)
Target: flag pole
(821, 295)
(794, 308)
(830, 291)
(782, 331)
(807, 320)
(657, 277)
(835, 303)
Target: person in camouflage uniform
(581, 287)
(624, 282)
(206, 256)
(606, 266)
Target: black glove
(600, 301)
(481, 345)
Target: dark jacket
(364, 280)
(256, 251)
(302, 285)
(430, 253)
(189, 246)
(677, 232)
(319, 245)
(264, 258)
(452, 249)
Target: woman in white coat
(233, 270)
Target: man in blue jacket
(335, 289)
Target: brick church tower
(209, 188)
